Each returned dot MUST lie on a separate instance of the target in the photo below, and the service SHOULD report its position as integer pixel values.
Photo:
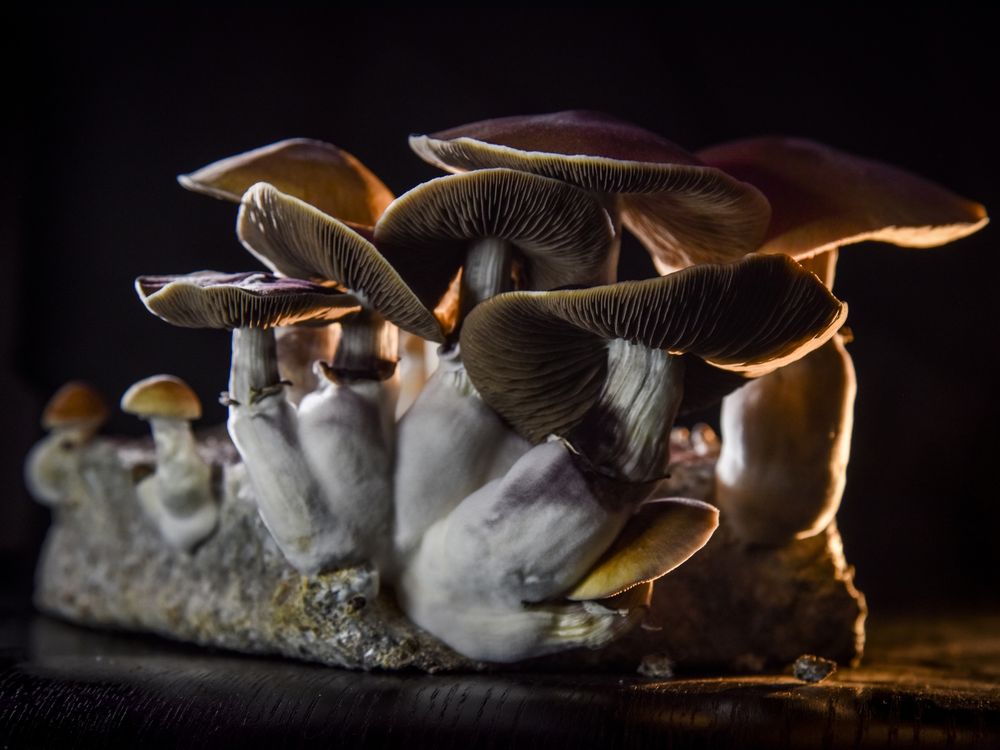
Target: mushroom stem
(449, 444)
(299, 349)
(486, 272)
(627, 432)
(52, 469)
(368, 348)
(183, 477)
(263, 426)
(483, 577)
(786, 443)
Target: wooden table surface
(926, 682)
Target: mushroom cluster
(509, 494)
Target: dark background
(106, 107)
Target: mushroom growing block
(178, 495)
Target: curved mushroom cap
(564, 235)
(161, 396)
(320, 174)
(210, 299)
(540, 358)
(77, 405)
(296, 239)
(661, 536)
(682, 210)
(822, 198)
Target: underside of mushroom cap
(682, 210)
(563, 234)
(662, 535)
(210, 299)
(822, 198)
(319, 173)
(540, 358)
(298, 240)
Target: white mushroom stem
(183, 477)
(627, 433)
(413, 370)
(486, 271)
(299, 348)
(263, 426)
(479, 575)
(52, 468)
(786, 443)
(449, 444)
(347, 434)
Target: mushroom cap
(319, 173)
(296, 239)
(540, 358)
(681, 209)
(564, 234)
(210, 299)
(161, 396)
(822, 198)
(75, 404)
(662, 535)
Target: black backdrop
(106, 107)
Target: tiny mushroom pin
(347, 426)
(503, 228)
(681, 209)
(262, 423)
(178, 495)
(74, 413)
(787, 436)
(322, 175)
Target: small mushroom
(605, 368)
(681, 209)
(178, 495)
(262, 423)
(324, 176)
(503, 229)
(72, 416)
(347, 426)
(787, 436)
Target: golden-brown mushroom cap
(822, 198)
(76, 404)
(296, 239)
(661, 536)
(540, 358)
(319, 173)
(563, 234)
(682, 210)
(161, 396)
(210, 299)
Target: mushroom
(262, 423)
(324, 176)
(347, 426)
(52, 469)
(490, 579)
(682, 210)
(594, 377)
(178, 495)
(495, 225)
(606, 368)
(787, 436)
